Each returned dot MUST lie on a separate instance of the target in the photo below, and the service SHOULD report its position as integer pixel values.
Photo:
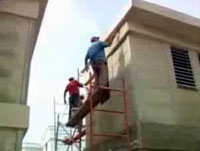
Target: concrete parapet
(19, 28)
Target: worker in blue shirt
(96, 55)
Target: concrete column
(19, 27)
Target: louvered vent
(199, 57)
(182, 68)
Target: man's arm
(109, 41)
(65, 92)
(86, 61)
(79, 84)
(105, 44)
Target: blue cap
(94, 38)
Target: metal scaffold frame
(61, 132)
(93, 134)
(89, 107)
(74, 143)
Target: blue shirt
(96, 52)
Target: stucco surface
(161, 115)
(19, 28)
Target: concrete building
(48, 140)
(157, 51)
(31, 147)
(19, 27)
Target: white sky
(61, 47)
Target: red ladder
(124, 112)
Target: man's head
(94, 39)
(71, 79)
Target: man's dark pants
(100, 73)
(73, 103)
(101, 77)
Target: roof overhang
(161, 18)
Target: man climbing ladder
(96, 55)
(98, 61)
(74, 94)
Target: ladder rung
(109, 135)
(110, 111)
(108, 88)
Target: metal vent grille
(182, 68)
(199, 57)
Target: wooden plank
(99, 95)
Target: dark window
(182, 68)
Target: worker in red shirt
(74, 96)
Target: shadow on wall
(108, 123)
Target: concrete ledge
(163, 36)
(166, 12)
(14, 115)
(161, 18)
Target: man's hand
(110, 40)
(85, 69)
(65, 101)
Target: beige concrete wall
(15, 57)
(161, 115)
(119, 65)
(19, 27)
(164, 110)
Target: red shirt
(73, 87)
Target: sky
(61, 46)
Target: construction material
(98, 95)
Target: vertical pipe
(78, 74)
(72, 146)
(126, 113)
(71, 137)
(80, 125)
(79, 131)
(54, 109)
(57, 131)
(91, 117)
(19, 137)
